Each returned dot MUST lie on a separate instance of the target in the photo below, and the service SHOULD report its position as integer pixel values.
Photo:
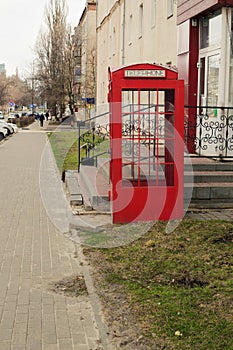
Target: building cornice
(117, 4)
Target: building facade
(194, 35)
(205, 51)
(85, 61)
(205, 59)
(133, 31)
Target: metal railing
(208, 131)
(90, 135)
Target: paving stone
(36, 253)
(49, 339)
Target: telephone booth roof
(144, 70)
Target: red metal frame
(146, 138)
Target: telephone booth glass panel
(148, 137)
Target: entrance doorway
(209, 81)
(209, 61)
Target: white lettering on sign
(152, 73)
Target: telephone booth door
(146, 139)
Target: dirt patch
(188, 281)
(73, 286)
(227, 238)
(126, 332)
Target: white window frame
(153, 13)
(140, 20)
(170, 8)
(130, 28)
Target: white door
(209, 82)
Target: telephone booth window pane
(148, 137)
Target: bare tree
(51, 57)
(19, 91)
(4, 85)
(70, 66)
(13, 89)
(91, 74)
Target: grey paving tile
(34, 255)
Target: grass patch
(178, 286)
(64, 143)
(65, 148)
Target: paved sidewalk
(34, 255)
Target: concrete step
(208, 176)
(214, 190)
(94, 188)
(209, 183)
(73, 188)
(103, 165)
(196, 163)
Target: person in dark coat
(42, 119)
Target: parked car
(1, 115)
(14, 127)
(3, 133)
(11, 118)
(7, 126)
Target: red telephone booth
(146, 139)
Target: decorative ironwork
(145, 125)
(92, 136)
(209, 134)
(96, 131)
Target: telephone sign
(145, 73)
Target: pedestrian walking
(47, 115)
(42, 119)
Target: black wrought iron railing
(91, 134)
(208, 131)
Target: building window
(211, 30)
(140, 20)
(114, 41)
(153, 13)
(170, 8)
(130, 29)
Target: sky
(20, 23)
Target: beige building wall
(85, 59)
(88, 62)
(133, 31)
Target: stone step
(212, 184)
(73, 188)
(217, 191)
(95, 188)
(208, 176)
(103, 165)
(207, 165)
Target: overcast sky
(20, 22)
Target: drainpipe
(223, 89)
(86, 64)
(96, 54)
(123, 35)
